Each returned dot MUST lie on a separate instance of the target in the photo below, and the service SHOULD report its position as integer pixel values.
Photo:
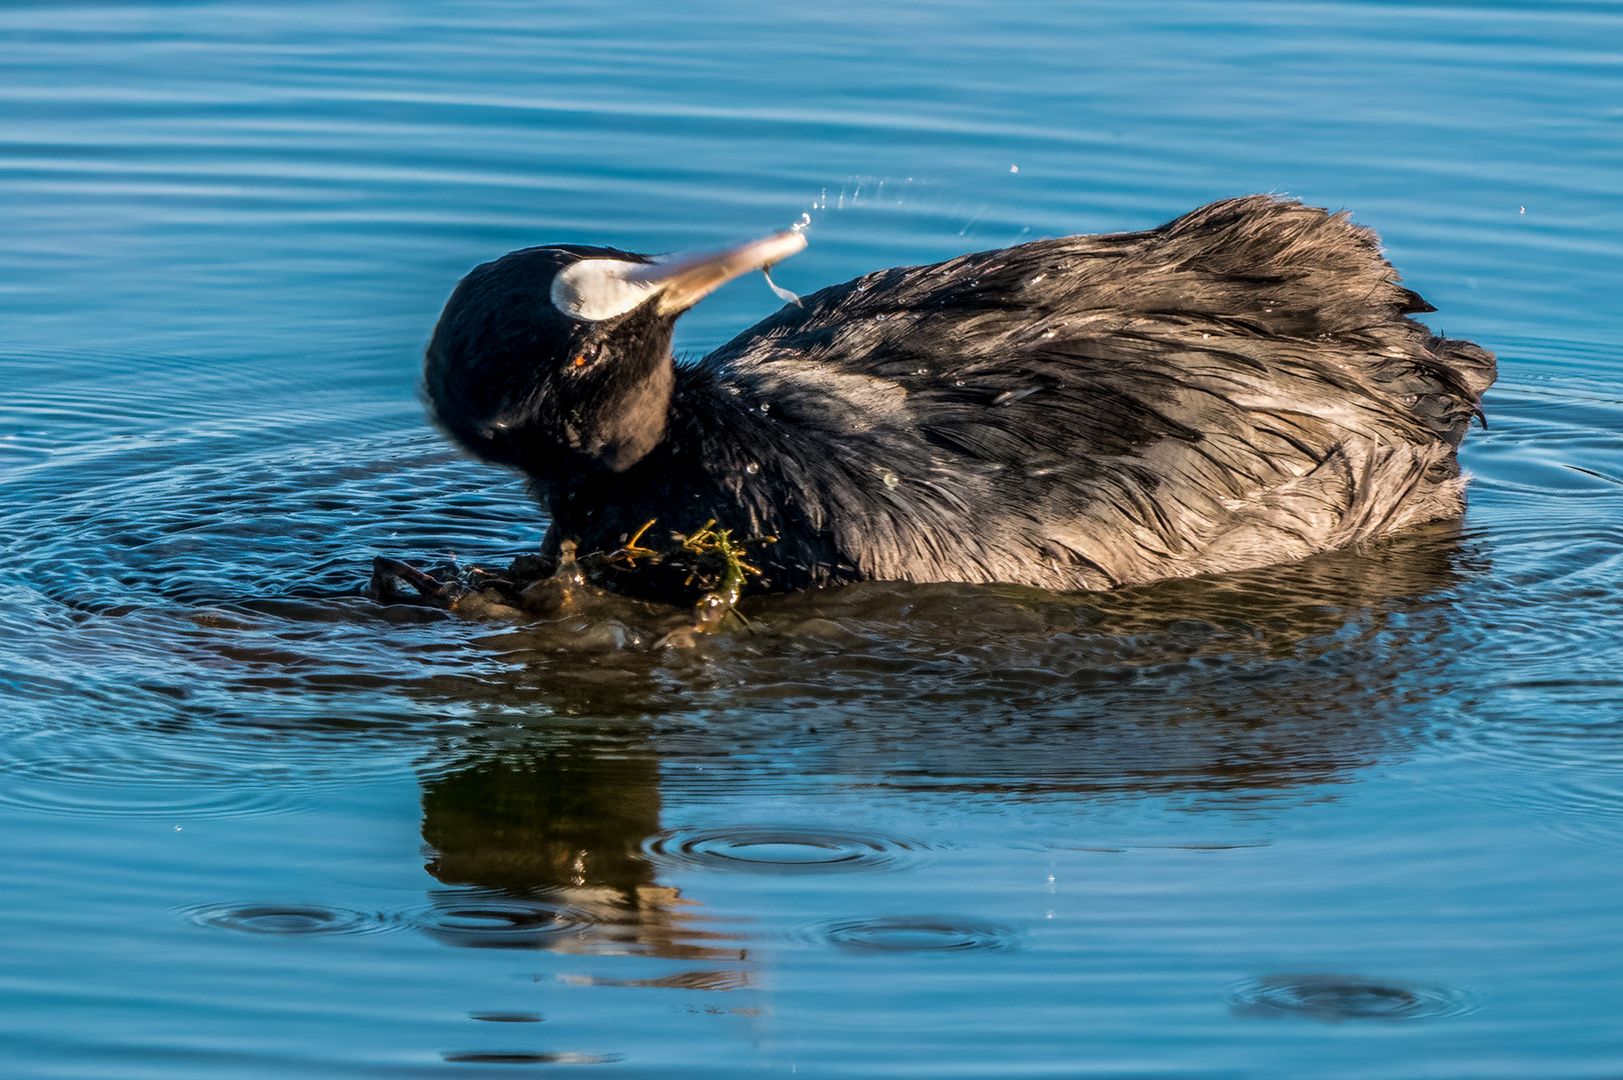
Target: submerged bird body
(1238, 387)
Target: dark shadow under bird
(1238, 387)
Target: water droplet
(878, 318)
(957, 382)
(1014, 168)
(891, 479)
(753, 467)
(922, 371)
(1037, 279)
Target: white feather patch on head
(596, 289)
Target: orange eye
(580, 359)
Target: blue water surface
(1357, 817)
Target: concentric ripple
(520, 1057)
(1562, 751)
(1337, 998)
(290, 920)
(710, 981)
(486, 921)
(920, 934)
(767, 850)
(507, 1017)
(140, 788)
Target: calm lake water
(1357, 817)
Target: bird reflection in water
(1262, 688)
(542, 848)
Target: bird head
(562, 354)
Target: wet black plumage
(1238, 387)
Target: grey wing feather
(1238, 386)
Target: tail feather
(1358, 493)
